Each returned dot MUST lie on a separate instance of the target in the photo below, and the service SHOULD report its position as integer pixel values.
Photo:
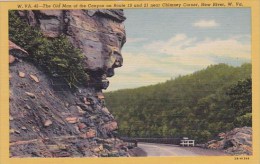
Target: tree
(240, 101)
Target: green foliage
(56, 56)
(244, 120)
(198, 106)
(241, 96)
(240, 102)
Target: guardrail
(187, 142)
(174, 141)
(130, 140)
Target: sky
(165, 43)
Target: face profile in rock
(100, 34)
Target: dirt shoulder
(137, 152)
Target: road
(153, 149)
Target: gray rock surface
(47, 118)
(100, 34)
(236, 142)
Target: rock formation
(100, 34)
(236, 142)
(47, 119)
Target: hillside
(199, 105)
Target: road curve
(153, 149)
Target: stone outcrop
(100, 34)
(236, 142)
(47, 119)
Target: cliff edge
(47, 117)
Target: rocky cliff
(235, 142)
(47, 117)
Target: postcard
(129, 81)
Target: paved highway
(153, 149)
